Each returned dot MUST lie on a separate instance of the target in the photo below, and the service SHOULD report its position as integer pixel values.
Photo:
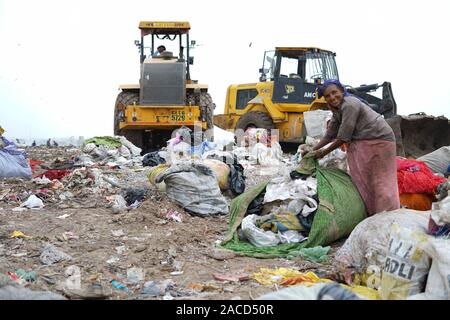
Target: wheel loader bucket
(419, 134)
(222, 121)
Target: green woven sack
(340, 210)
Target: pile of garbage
(404, 253)
(99, 168)
(278, 206)
(195, 175)
(109, 151)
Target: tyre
(207, 109)
(124, 99)
(255, 119)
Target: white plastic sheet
(32, 202)
(316, 122)
(281, 188)
(257, 236)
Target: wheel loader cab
(295, 73)
(166, 98)
(288, 83)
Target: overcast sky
(61, 62)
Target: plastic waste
(316, 122)
(174, 215)
(135, 275)
(221, 170)
(334, 291)
(51, 255)
(116, 284)
(19, 234)
(157, 288)
(153, 159)
(33, 202)
(237, 178)
(291, 236)
(316, 254)
(136, 194)
(119, 204)
(257, 204)
(257, 236)
(27, 276)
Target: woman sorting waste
(371, 151)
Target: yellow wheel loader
(166, 98)
(288, 86)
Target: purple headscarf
(336, 82)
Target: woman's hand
(304, 152)
(318, 154)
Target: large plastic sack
(407, 264)
(415, 177)
(236, 178)
(14, 165)
(438, 281)
(221, 170)
(340, 210)
(438, 160)
(316, 122)
(367, 244)
(194, 187)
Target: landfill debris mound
(103, 221)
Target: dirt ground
(105, 246)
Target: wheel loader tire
(134, 136)
(255, 119)
(207, 108)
